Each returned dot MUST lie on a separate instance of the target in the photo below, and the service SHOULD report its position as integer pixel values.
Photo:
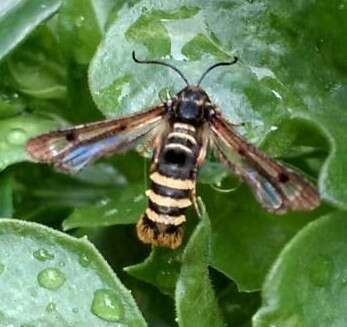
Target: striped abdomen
(172, 183)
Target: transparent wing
(73, 148)
(277, 188)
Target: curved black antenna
(160, 63)
(216, 65)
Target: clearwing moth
(180, 130)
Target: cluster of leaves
(66, 62)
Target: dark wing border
(73, 148)
(278, 188)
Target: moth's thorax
(191, 106)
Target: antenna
(216, 65)
(160, 63)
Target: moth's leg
(156, 146)
(199, 161)
(202, 152)
(195, 201)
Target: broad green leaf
(307, 283)
(40, 191)
(58, 281)
(245, 238)
(6, 195)
(14, 132)
(19, 17)
(36, 67)
(125, 207)
(160, 269)
(81, 27)
(196, 304)
(237, 307)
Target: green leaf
(245, 238)
(81, 27)
(125, 207)
(160, 269)
(307, 284)
(36, 68)
(18, 18)
(40, 192)
(6, 195)
(14, 132)
(195, 300)
(59, 281)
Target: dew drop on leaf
(80, 21)
(2, 268)
(111, 212)
(106, 305)
(16, 136)
(51, 307)
(51, 278)
(43, 255)
(84, 260)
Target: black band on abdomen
(170, 211)
(169, 191)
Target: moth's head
(190, 105)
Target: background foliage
(69, 62)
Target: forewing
(73, 148)
(277, 188)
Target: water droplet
(75, 310)
(103, 202)
(79, 21)
(33, 292)
(61, 264)
(106, 305)
(276, 94)
(273, 128)
(43, 255)
(16, 136)
(111, 212)
(51, 278)
(321, 270)
(2, 268)
(84, 260)
(51, 307)
(139, 198)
